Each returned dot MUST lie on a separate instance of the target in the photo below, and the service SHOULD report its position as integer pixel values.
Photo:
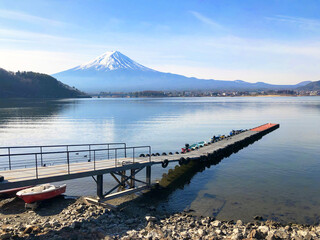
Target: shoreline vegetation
(134, 218)
(164, 94)
(34, 85)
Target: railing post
(41, 156)
(94, 159)
(9, 158)
(68, 161)
(148, 175)
(115, 155)
(149, 154)
(36, 158)
(125, 150)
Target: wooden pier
(44, 165)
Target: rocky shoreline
(76, 219)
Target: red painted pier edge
(266, 127)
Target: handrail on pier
(69, 156)
(9, 152)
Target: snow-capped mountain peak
(112, 61)
(114, 72)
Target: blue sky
(271, 41)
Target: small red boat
(41, 192)
(11, 192)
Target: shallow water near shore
(277, 177)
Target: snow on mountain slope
(112, 61)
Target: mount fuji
(113, 71)
(110, 61)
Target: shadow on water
(182, 175)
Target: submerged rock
(151, 218)
(258, 218)
(75, 225)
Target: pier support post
(132, 181)
(100, 186)
(123, 178)
(148, 175)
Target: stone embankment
(137, 221)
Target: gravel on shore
(75, 219)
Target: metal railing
(92, 153)
(10, 151)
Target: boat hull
(43, 196)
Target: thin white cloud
(13, 15)
(12, 40)
(305, 23)
(205, 19)
(39, 61)
(251, 45)
(16, 35)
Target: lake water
(277, 177)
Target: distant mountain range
(312, 86)
(34, 85)
(114, 71)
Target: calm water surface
(277, 177)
